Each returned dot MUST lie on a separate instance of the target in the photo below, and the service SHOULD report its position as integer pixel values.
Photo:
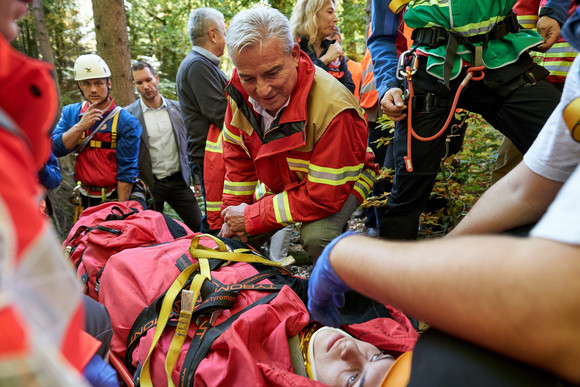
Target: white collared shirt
(267, 118)
(208, 54)
(162, 144)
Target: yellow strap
(398, 5)
(232, 256)
(199, 251)
(571, 115)
(114, 131)
(188, 298)
(145, 378)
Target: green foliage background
(462, 179)
(157, 32)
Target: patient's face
(345, 361)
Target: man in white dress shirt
(163, 162)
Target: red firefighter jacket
(213, 176)
(40, 295)
(315, 156)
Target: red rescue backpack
(235, 331)
(108, 228)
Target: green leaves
(462, 179)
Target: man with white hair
(290, 126)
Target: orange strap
(411, 133)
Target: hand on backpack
(325, 289)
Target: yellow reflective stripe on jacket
(565, 55)
(214, 147)
(298, 164)
(528, 21)
(557, 66)
(213, 206)
(434, 3)
(481, 27)
(228, 136)
(334, 176)
(240, 188)
(364, 185)
(282, 209)
(231, 138)
(260, 191)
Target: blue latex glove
(100, 374)
(325, 289)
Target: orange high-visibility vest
(355, 69)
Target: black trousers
(137, 194)
(180, 197)
(443, 360)
(519, 116)
(384, 158)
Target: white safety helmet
(91, 66)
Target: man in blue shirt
(104, 137)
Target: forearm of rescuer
(516, 296)
(123, 191)
(518, 199)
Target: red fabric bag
(108, 228)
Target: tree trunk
(44, 45)
(113, 46)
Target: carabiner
(408, 59)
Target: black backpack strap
(204, 338)
(176, 230)
(118, 214)
(214, 294)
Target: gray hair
(253, 26)
(200, 21)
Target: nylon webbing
(202, 342)
(174, 290)
(86, 141)
(202, 253)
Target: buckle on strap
(434, 37)
(431, 37)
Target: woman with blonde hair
(312, 22)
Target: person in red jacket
(283, 130)
(42, 337)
